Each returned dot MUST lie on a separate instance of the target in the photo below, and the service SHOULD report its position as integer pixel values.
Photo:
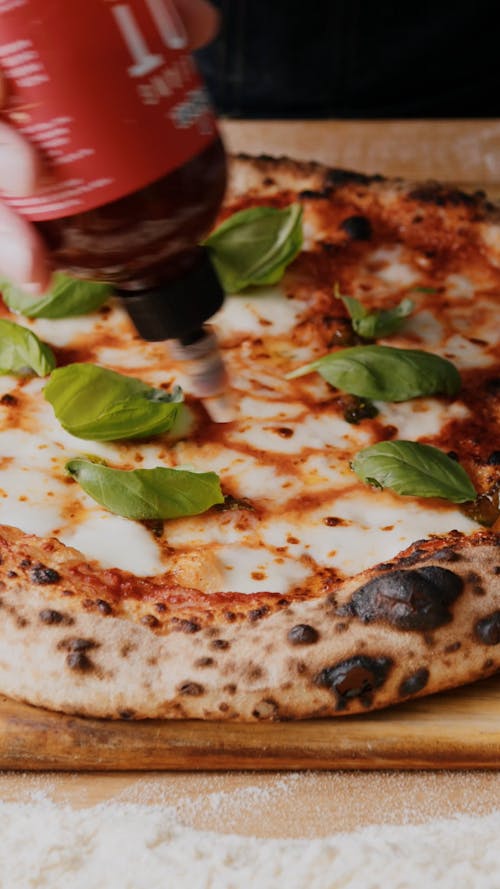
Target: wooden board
(458, 729)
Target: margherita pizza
(329, 551)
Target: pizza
(346, 558)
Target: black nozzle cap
(176, 308)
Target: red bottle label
(106, 91)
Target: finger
(200, 19)
(23, 258)
(20, 167)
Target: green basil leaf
(414, 469)
(22, 353)
(372, 325)
(158, 493)
(255, 246)
(67, 298)
(385, 373)
(102, 405)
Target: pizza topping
(357, 227)
(22, 353)
(254, 247)
(68, 297)
(358, 409)
(414, 683)
(385, 373)
(158, 493)
(417, 599)
(357, 677)
(370, 325)
(303, 634)
(414, 469)
(94, 403)
(488, 629)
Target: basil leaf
(158, 493)
(68, 297)
(385, 373)
(383, 322)
(414, 469)
(102, 405)
(21, 352)
(255, 246)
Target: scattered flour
(118, 845)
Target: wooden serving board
(457, 729)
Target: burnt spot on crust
(78, 660)
(266, 709)
(454, 646)
(447, 555)
(185, 626)
(103, 606)
(48, 616)
(414, 683)
(356, 677)
(358, 228)
(40, 573)
(346, 177)
(8, 399)
(149, 620)
(258, 613)
(488, 629)
(75, 644)
(303, 634)
(418, 599)
(204, 662)
(443, 196)
(191, 688)
(126, 714)
(220, 644)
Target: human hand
(23, 255)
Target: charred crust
(149, 620)
(204, 662)
(356, 677)
(302, 634)
(443, 196)
(126, 714)
(220, 644)
(446, 555)
(257, 613)
(78, 660)
(41, 574)
(103, 606)
(186, 626)
(194, 689)
(230, 688)
(487, 629)
(336, 176)
(357, 228)
(266, 709)
(160, 607)
(75, 644)
(414, 683)
(418, 599)
(454, 646)
(48, 616)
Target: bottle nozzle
(203, 365)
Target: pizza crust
(426, 621)
(82, 639)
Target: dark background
(349, 58)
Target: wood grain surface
(458, 729)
